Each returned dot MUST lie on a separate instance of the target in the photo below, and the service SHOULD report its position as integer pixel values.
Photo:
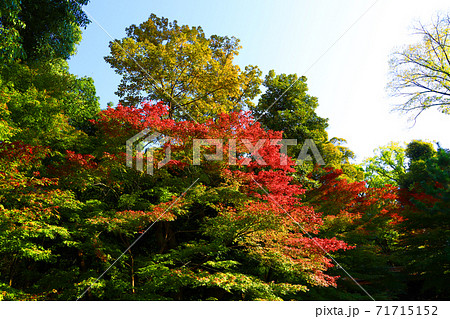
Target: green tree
(420, 72)
(40, 101)
(338, 156)
(286, 106)
(388, 166)
(195, 75)
(425, 239)
(364, 217)
(80, 103)
(39, 95)
(417, 152)
(10, 24)
(41, 29)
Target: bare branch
(421, 72)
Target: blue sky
(346, 68)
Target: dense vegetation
(77, 222)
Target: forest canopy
(77, 222)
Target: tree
(10, 42)
(417, 152)
(228, 238)
(34, 224)
(39, 95)
(41, 29)
(421, 72)
(42, 100)
(388, 166)
(365, 218)
(286, 106)
(81, 102)
(425, 231)
(195, 75)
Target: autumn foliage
(77, 221)
(245, 222)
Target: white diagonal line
(137, 239)
(134, 60)
(314, 240)
(319, 58)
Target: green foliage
(216, 284)
(6, 130)
(338, 156)
(426, 230)
(286, 106)
(388, 166)
(80, 103)
(418, 152)
(40, 100)
(10, 24)
(40, 29)
(32, 211)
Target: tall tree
(417, 152)
(39, 95)
(420, 72)
(193, 74)
(41, 29)
(425, 200)
(286, 106)
(40, 101)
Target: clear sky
(346, 68)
